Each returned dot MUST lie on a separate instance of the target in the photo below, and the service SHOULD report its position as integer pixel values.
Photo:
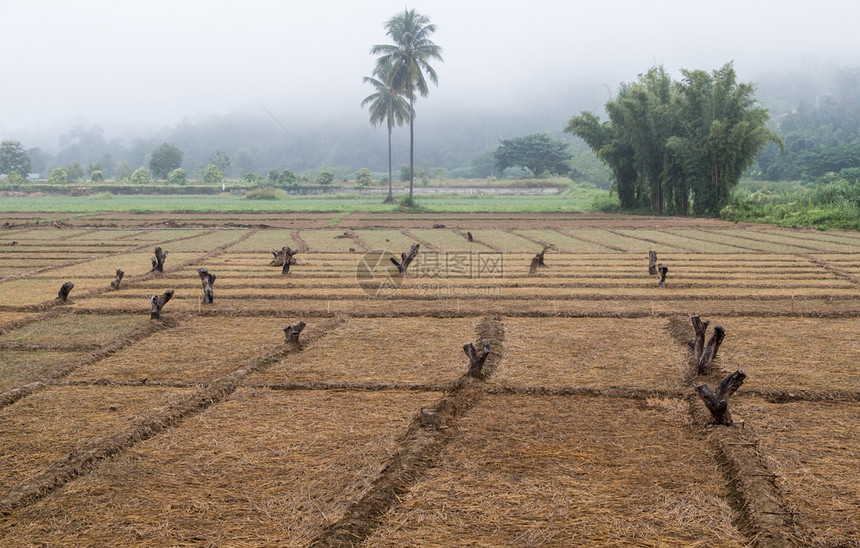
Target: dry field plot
(19, 367)
(600, 352)
(794, 353)
(50, 424)
(534, 471)
(265, 240)
(382, 350)
(206, 428)
(264, 468)
(74, 330)
(329, 241)
(812, 448)
(197, 351)
(447, 240)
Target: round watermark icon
(376, 275)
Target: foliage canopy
(13, 157)
(539, 153)
(670, 144)
(165, 158)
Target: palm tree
(388, 106)
(409, 58)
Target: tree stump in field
(405, 259)
(281, 256)
(158, 302)
(534, 266)
(119, 274)
(539, 257)
(698, 344)
(706, 361)
(476, 361)
(652, 263)
(284, 258)
(292, 333)
(469, 237)
(65, 289)
(718, 404)
(662, 270)
(208, 279)
(158, 260)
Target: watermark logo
(377, 275)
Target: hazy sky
(124, 63)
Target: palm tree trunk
(411, 143)
(390, 198)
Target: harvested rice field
(581, 426)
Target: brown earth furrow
(420, 449)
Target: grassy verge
(576, 198)
(831, 203)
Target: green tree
(165, 158)
(221, 160)
(288, 178)
(58, 176)
(722, 134)
(325, 176)
(363, 178)
(388, 106)
(75, 171)
(666, 142)
(96, 176)
(13, 157)
(212, 175)
(409, 59)
(645, 115)
(177, 177)
(15, 178)
(614, 150)
(538, 153)
(140, 176)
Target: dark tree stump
(534, 266)
(158, 302)
(119, 274)
(292, 332)
(66, 288)
(158, 260)
(476, 361)
(652, 263)
(281, 256)
(718, 404)
(698, 345)
(207, 279)
(469, 237)
(706, 361)
(662, 270)
(405, 259)
(286, 256)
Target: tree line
(678, 147)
